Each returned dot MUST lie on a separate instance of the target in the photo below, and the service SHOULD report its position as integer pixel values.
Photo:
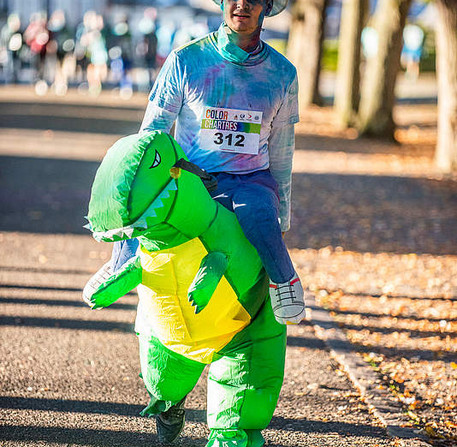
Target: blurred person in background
(189, 30)
(183, 33)
(97, 70)
(413, 43)
(11, 43)
(166, 31)
(146, 49)
(60, 51)
(36, 36)
(81, 51)
(121, 53)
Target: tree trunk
(378, 89)
(446, 49)
(305, 48)
(347, 92)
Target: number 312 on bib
(231, 130)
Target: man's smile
(244, 18)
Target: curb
(379, 400)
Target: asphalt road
(69, 375)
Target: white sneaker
(287, 301)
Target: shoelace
(285, 290)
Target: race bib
(231, 130)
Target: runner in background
(146, 48)
(11, 44)
(36, 37)
(62, 43)
(121, 53)
(81, 52)
(97, 70)
(413, 44)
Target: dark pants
(254, 200)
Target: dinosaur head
(139, 191)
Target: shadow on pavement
(408, 353)
(88, 437)
(108, 437)
(101, 325)
(85, 406)
(342, 428)
(45, 195)
(58, 323)
(374, 214)
(398, 317)
(320, 143)
(305, 342)
(49, 288)
(64, 303)
(361, 145)
(71, 406)
(359, 213)
(399, 297)
(413, 333)
(70, 117)
(44, 270)
(42, 288)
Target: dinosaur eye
(156, 162)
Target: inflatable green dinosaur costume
(203, 293)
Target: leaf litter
(381, 254)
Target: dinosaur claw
(194, 304)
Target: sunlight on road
(55, 144)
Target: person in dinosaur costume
(203, 292)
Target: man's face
(245, 16)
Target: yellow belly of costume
(167, 275)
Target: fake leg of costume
(244, 383)
(168, 376)
(254, 199)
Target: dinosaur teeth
(128, 232)
(158, 203)
(141, 223)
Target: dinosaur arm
(105, 287)
(211, 270)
